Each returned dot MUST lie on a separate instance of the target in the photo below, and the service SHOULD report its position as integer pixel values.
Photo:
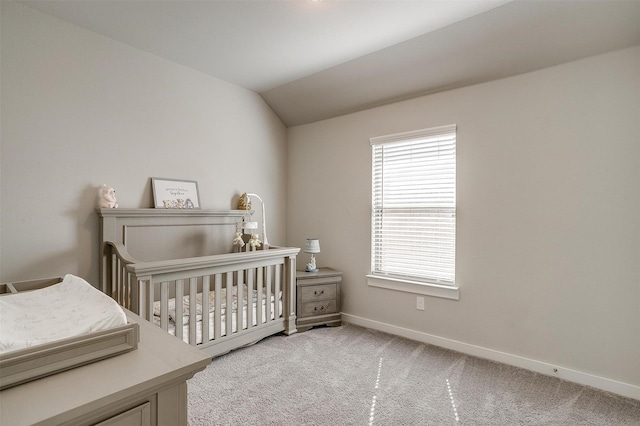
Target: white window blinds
(414, 204)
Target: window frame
(402, 283)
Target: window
(413, 222)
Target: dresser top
(322, 273)
(161, 360)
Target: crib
(173, 268)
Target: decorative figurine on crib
(244, 203)
(108, 197)
(254, 242)
(237, 241)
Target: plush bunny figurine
(254, 242)
(237, 241)
(108, 197)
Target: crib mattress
(211, 317)
(223, 322)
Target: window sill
(445, 291)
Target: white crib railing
(154, 290)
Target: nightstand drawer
(318, 308)
(318, 292)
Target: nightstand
(318, 299)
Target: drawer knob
(318, 293)
(315, 308)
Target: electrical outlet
(420, 303)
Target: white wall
(548, 223)
(80, 110)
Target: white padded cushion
(70, 308)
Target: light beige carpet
(355, 376)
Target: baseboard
(613, 386)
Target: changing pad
(70, 308)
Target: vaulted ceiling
(312, 60)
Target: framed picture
(175, 194)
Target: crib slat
(126, 289)
(217, 310)
(114, 265)
(205, 307)
(135, 293)
(126, 301)
(118, 282)
(193, 290)
(179, 286)
(276, 292)
(147, 297)
(119, 288)
(229, 308)
(116, 278)
(164, 305)
(269, 292)
(142, 292)
(259, 286)
(123, 288)
(250, 283)
(240, 302)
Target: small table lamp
(312, 246)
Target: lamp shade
(312, 245)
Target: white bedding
(223, 325)
(70, 308)
(223, 302)
(212, 301)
